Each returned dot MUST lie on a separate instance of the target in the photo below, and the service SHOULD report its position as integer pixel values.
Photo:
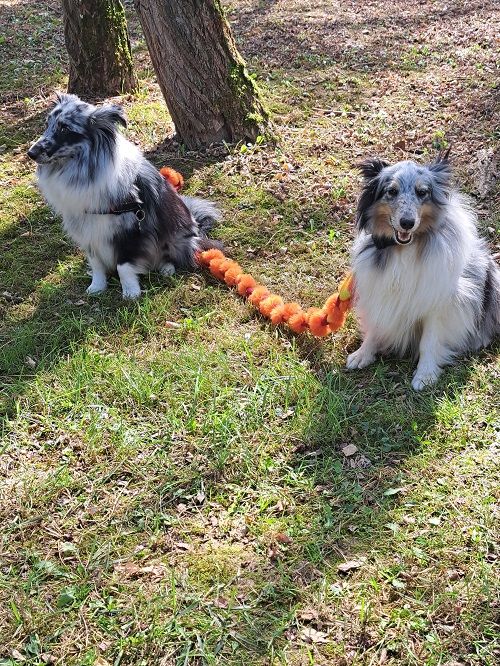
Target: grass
(178, 495)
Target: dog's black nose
(407, 223)
(34, 151)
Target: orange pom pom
(336, 319)
(246, 284)
(173, 177)
(269, 304)
(298, 322)
(276, 315)
(290, 309)
(215, 265)
(332, 303)
(232, 275)
(207, 256)
(258, 295)
(318, 323)
(225, 266)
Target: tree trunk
(100, 60)
(203, 78)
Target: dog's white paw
(131, 287)
(131, 291)
(359, 359)
(425, 377)
(167, 269)
(96, 287)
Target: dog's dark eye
(421, 192)
(63, 129)
(392, 191)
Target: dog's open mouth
(403, 237)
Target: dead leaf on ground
(281, 537)
(133, 570)
(307, 615)
(220, 602)
(454, 574)
(349, 450)
(30, 362)
(345, 567)
(392, 491)
(311, 635)
(47, 658)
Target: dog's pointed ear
(442, 163)
(108, 114)
(441, 172)
(444, 155)
(371, 168)
(441, 166)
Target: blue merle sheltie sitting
(425, 282)
(114, 204)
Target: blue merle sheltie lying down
(115, 205)
(425, 281)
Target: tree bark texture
(203, 78)
(96, 36)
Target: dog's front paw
(425, 377)
(131, 292)
(167, 269)
(96, 287)
(359, 359)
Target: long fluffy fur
(425, 281)
(87, 168)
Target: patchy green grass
(178, 494)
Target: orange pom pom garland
(319, 321)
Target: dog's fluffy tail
(204, 212)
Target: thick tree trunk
(100, 60)
(203, 78)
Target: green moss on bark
(245, 89)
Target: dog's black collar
(132, 207)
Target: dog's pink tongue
(404, 235)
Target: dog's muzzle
(35, 151)
(39, 153)
(404, 235)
